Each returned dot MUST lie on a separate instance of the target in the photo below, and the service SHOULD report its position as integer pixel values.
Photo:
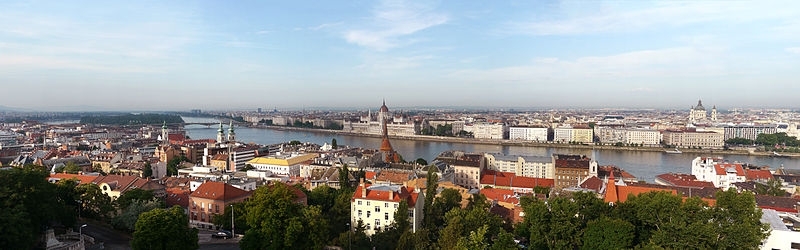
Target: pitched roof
(177, 196)
(723, 168)
(491, 177)
(592, 183)
(683, 180)
(782, 204)
(82, 179)
(391, 176)
(758, 174)
(383, 193)
(500, 195)
(218, 191)
(119, 183)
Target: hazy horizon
(210, 55)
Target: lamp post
(80, 233)
(233, 227)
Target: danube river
(644, 165)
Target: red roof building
(375, 205)
(682, 180)
(519, 184)
(81, 179)
(210, 199)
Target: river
(644, 165)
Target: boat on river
(675, 151)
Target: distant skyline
(218, 55)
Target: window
(386, 204)
(411, 214)
(386, 216)
(359, 203)
(368, 213)
(359, 213)
(395, 205)
(377, 209)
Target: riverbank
(528, 143)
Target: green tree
(334, 144)
(72, 168)
(739, 141)
(148, 170)
(737, 221)
(607, 233)
(132, 195)
(773, 187)
(271, 213)
(344, 178)
(240, 221)
(30, 204)
(431, 186)
(93, 202)
(248, 167)
(164, 229)
(126, 219)
(504, 241)
(421, 162)
(475, 241)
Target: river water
(644, 165)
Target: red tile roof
(500, 195)
(369, 175)
(505, 179)
(119, 183)
(177, 196)
(721, 168)
(758, 174)
(592, 183)
(384, 195)
(82, 179)
(218, 191)
(683, 180)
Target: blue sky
(177, 55)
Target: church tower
(714, 113)
(231, 133)
(164, 133)
(220, 134)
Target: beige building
(484, 130)
(573, 169)
(527, 166)
(580, 133)
(528, 133)
(687, 139)
(286, 165)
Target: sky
(180, 55)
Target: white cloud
(616, 19)
(392, 21)
(668, 62)
(795, 50)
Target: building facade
(374, 206)
(527, 166)
(689, 139)
(285, 165)
(750, 132)
(571, 170)
(528, 133)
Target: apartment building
(528, 133)
(527, 166)
(374, 206)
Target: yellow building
(288, 165)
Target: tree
(271, 213)
(132, 195)
(72, 168)
(93, 202)
(344, 178)
(475, 241)
(739, 141)
(504, 241)
(773, 187)
(608, 233)
(223, 220)
(431, 186)
(148, 170)
(164, 229)
(421, 162)
(737, 221)
(30, 204)
(248, 167)
(334, 144)
(127, 219)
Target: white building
(612, 135)
(285, 165)
(484, 130)
(375, 206)
(750, 132)
(714, 170)
(528, 166)
(528, 133)
(780, 237)
(577, 133)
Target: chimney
(391, 195)
(363, 188)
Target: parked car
(222, 234)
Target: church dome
(699, 106)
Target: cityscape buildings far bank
(764, 132)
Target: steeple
(164, 133)
(220, 134)
(231, 133)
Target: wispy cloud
(616, 19)
(795, 50)
(393, 20)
